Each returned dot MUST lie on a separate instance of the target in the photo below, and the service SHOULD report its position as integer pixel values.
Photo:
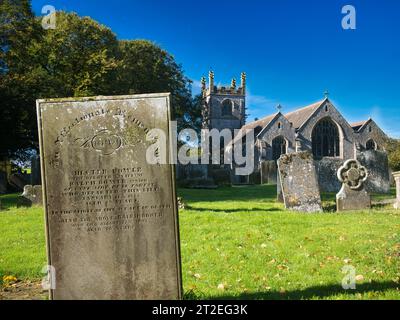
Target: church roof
(296, 117)
(260, 123)
(299, 116)
(358, 125)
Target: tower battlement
(223, 90)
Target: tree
(146, 68)
(79, 57)
(393, 150)
(18, 29)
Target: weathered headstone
(268, 170)
(396, 176)
(299, 182)
(377, 164)
(279, 194)
(111, 218)
(35, 171)
(353, 195)
(3, 182)
(32, 195)
(327, 174)
(18, 180)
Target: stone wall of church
(371, 131)
(278, 127)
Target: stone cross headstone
(352, 195)
(299, 182)
(396, 176)
(111, 217)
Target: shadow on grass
(237, 193)
(188, 207)
(325, 291)
(9, 200)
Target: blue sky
(292, 51)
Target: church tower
(223, 107)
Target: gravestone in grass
(279, 195)
(35, 171)
(299, 183)
(396, 176)
(3, 182)
(32, 195)
(111, 217)
(353, 195)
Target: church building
(319, 127)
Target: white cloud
(196, 87)
(259, 106)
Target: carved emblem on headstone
(103, 141)
(353, 195)
(353, 174)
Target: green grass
(242, 239)
(22, 240)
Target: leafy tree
(18, 29)
(79, 57)
(146, 68)
(393, 149)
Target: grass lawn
(239, 243)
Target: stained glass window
(325, 139)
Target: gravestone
(353, 195)
(327, 174)
(18, 180)
(377, 164)
(268, 171)
(299, 182)
(35, 171)
(3, 182)
(396, 176)
(111, 217)
(32, 195)
(279, 194)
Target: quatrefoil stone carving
(353, 174)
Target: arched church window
(371, 145)
(325, 139)
(278, 147)
(227, 107)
